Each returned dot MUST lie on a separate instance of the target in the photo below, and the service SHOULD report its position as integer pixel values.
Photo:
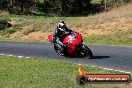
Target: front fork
(79, 47)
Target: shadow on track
(94, 57)
(100, 57)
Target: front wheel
(86, 52)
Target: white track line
(27, 57)
(111, 45)
(113, 70)
(2, 54)
(10, 55)
(14, 56)
(20, 56)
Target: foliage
(17, 5)
(62, 7)
(25, 4)
(10, 31)
(58, 7)
(4, 24)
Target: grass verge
(115, 39)
(43, 73)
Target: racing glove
(59, 42)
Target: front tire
(86, 52)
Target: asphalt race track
(114, 57)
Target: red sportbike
(74, 45)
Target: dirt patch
(33, 35)
(37, 35)
(0, 36)
(14, 21)
(122, 24)
(4, 12)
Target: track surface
(114, 57)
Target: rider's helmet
(62, 26)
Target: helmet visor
(62, 28)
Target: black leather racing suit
(58, 34)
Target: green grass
(41, 1)
(43, 73)
(5, 17)
(115, 39)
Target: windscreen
(72, 37)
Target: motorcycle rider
(58, 34)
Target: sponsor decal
(83, 77)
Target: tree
(22, 5)
(4, 4)
(64, 7)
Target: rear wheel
(86, 52)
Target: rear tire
(86, 52)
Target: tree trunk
(22, 7)
(12, 2)
(62, 7)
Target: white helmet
(62, 26)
